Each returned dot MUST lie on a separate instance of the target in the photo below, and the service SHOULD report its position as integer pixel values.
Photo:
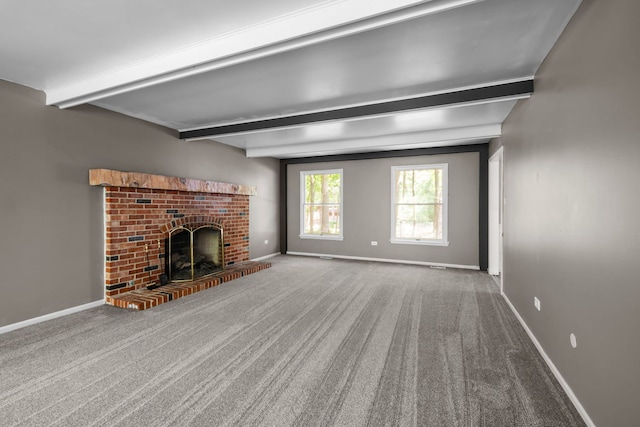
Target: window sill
(424, 242)
(320, 237)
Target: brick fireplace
(142, 209)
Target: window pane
(312, 189)
(322, 188)
(419, 186)
(321, 207)
(419, 221)
(323, 219)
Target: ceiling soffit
(339, 76)
(327, 21)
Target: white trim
(392, 261)
(321, 237)
(565, 386)
(424, 242)
(303, 174)
(496, 214)
(50, 316)
(445, 204)
(262, 258)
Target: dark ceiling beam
(485, 93)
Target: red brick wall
(136, 217)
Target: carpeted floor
(306, 342)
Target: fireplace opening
(192, 253)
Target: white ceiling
(202, 64)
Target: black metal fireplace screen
(192, 253)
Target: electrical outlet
(536, 303)
(573, 340)
(374, 243)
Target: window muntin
(419, 204)
(321, 204)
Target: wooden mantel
(112, 178)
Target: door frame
(496, 214)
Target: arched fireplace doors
(193, 251)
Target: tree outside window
(419, 208)
(321, 208)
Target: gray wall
(51, 251)
(367, 211)
(572, 212)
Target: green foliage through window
(322, 203)
(419, 202)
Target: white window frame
(445, 206)
(303, 174)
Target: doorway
(496, 213)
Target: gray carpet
(306, 342)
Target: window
(321, 204)
(419, 204)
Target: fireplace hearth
(171, 231)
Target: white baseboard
(35, 320)
(262, 258)
(567, 389)
(395, 261)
